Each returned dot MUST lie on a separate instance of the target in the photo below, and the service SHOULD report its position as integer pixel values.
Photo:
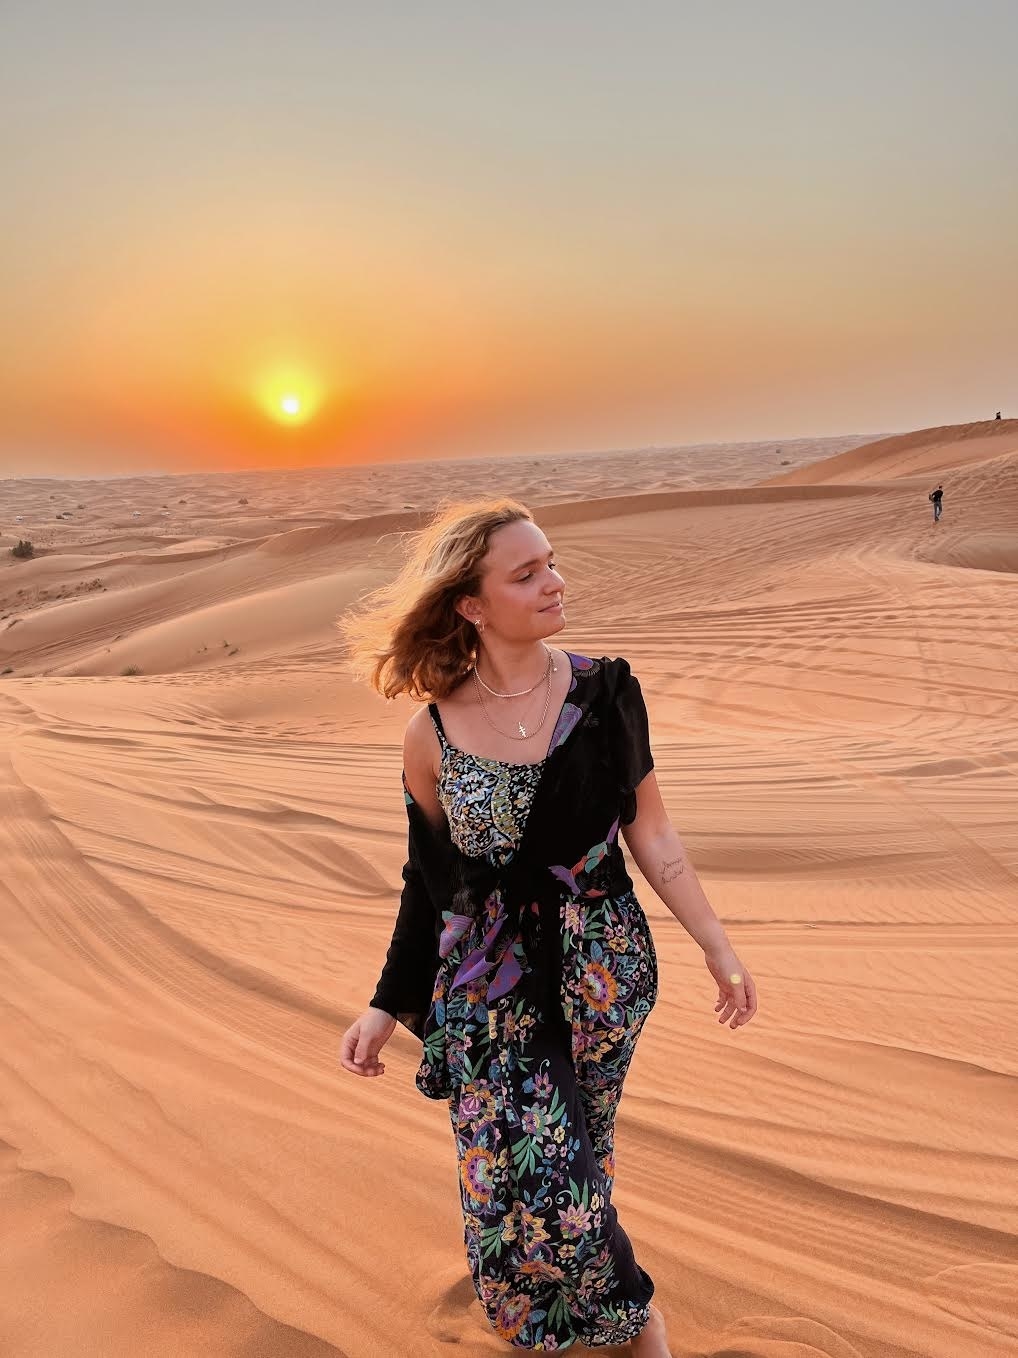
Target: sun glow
(289, 397)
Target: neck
(509, 666)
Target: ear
(468, 606)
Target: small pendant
(523, 729)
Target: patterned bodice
(486, 801)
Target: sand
(202, 861)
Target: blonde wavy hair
(407, 637)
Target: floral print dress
(533, 1095)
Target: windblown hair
(407, 637)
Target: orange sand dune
(979, 551)
(202, 864)
(927, 452)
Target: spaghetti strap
(437, 720)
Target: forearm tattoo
(671, 870)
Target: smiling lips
(549, 607)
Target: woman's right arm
(404, 988)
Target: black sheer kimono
(587, 789)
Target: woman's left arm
(661, 857)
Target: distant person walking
(937, 497)
(997, 416)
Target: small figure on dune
(997, 416)
(937, 496)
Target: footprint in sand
(985, 1294)
(457, 1323)
(782, 1337)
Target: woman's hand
(736, 991)
(363, 1040)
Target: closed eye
(551, 567)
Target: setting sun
(289, 396)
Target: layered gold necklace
(524, 734)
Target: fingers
(751, 1004)
(739, 1002)
(356, 1054)
(365, 1068)
(746, 1001)
(733, 997)
(364, 1055)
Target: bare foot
(652, 1341)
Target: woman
(521, 957)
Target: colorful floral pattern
(485, 801)
(533, 1098)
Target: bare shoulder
(422, 756)
(420, 741)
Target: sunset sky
(435, 229)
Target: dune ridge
(924, 452)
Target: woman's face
(521, 591)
